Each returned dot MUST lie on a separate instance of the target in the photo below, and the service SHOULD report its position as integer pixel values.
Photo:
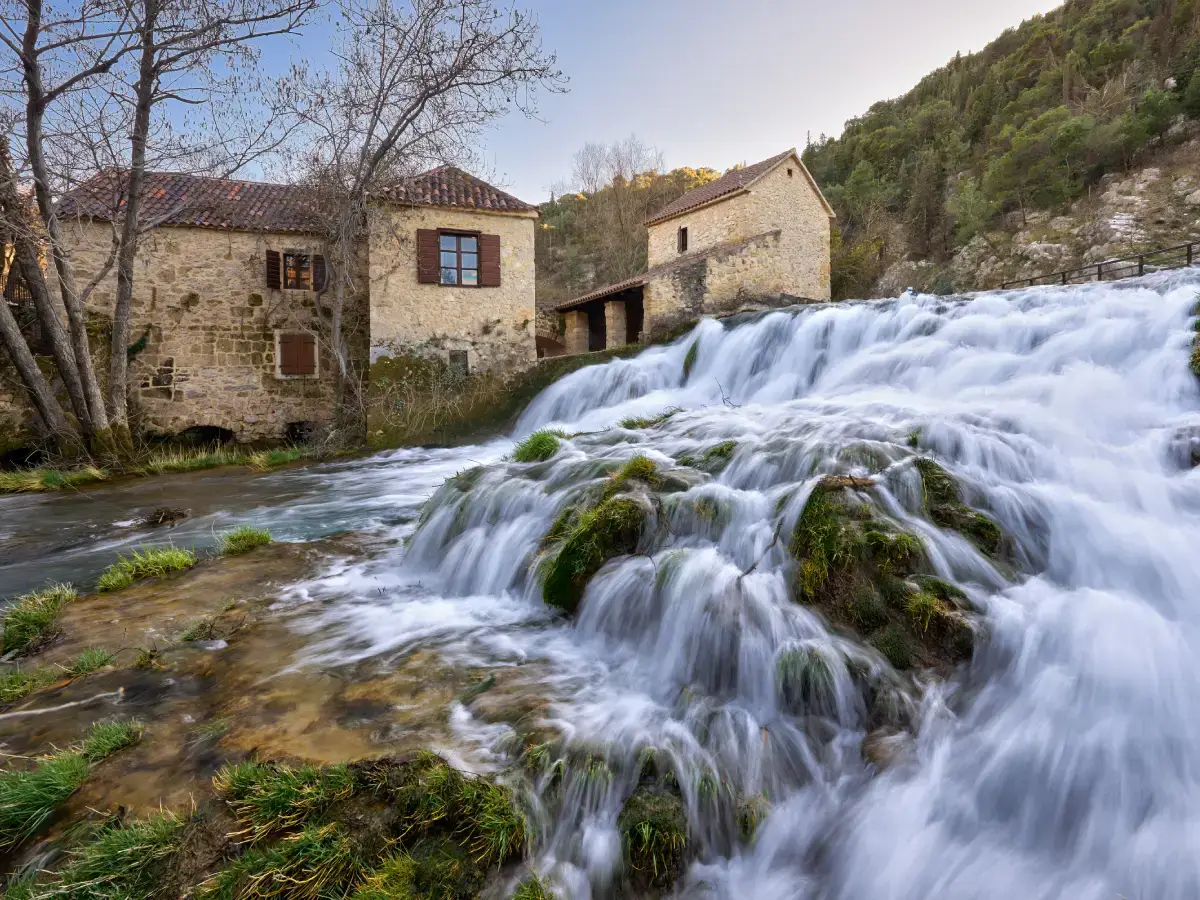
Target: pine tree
(1191, 96)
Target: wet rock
(163, 515)
(653, 826)
(943, 502)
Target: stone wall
(15, 410)
(494, 325)
(201, 297)
(778, 202)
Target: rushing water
(1062, 762)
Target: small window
(459, 259)
(789, 173)
(683, 240)
(295, 354)
(297, 271)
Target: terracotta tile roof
(730, 183)
(638, 280)
(171, 198)
(451, 186)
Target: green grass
(868, 610)
(88, 661)
(639, 422)
(175, 460)
(653, 827)
(320, 862)
(823, 542)
(37, 480)
(532, 888)
(150, 562)
(30, 797)
(689, 361)
(538, 447)
(638, 468)
(611, 529)
(242, 539)
(265, 460)
(432, 870)
(20, 683)
(269, 798)
(122, 862)
(32, 620)
(892, 642)
(805, 679)
(203, 629)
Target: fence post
(1064, 274)
(1189, 253)
(1141, 265)
(1099, 271)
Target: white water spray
(1061, 763)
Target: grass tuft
(29, 798)
(823, 542)
(32, 621)
(145, 563)
(265, 460)
(203, 629)
(653, 827)
(18, 684)
(89, 661)
(538, 447)
(320, 862)
(532, 888)
(269, 798)
(639, 422)
(242, 539)
(121, 863)
(805, 680)
(37, 480)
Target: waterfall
(1056, 757)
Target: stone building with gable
(227, 305)
(761, 231)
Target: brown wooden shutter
(306, 354)
(427, 256)
(287, 354)
(318, 270)
(489, 260)
(274, 270)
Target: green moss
(900, 552)
(611, 529)
(868, 610)
(639, 422)
(804, 679)
(943, 590)
(686, 460)
(538, 447)
(267, 798)
(653, 827)
(943, 502)
(242, 539)
(145, 563)
(940, 488)
(823, 541)
(638, 468)
(717, 457)
(924, 609)
(751, 813)
(892, 642)
(32, 620)
(689, 361)
(121, 862)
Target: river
(1061, 762)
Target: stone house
(228, 318)
(761, 231)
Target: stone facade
(493, 325)
(212, 326)
(775, 237)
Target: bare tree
(415, 84)
(95, 85)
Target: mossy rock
(805, 681)
(611, 529)
(654, 833)
(717, 457)
(943, 503)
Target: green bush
(145, 563)
(538, 447)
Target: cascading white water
(1062, 762)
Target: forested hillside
(1031, 123)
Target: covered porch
(608, 317)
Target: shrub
(242, 539)
(145, 563)
(32, 620)
(538, 447)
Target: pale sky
(714, 83)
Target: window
(789, 173)
(295, 354)
(297, 271)
(682, 240)
(459, 259)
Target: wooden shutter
(287, 354)
(489, 260)
(318, 272)
(427, 256)
(306, 354)
(274, 270)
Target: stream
(1060, 762)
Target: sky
(718, 82)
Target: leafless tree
(97, 87)
(415, 84)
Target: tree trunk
(118, 368)
(65, 438)
(96, 418)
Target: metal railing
(1177, 257)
